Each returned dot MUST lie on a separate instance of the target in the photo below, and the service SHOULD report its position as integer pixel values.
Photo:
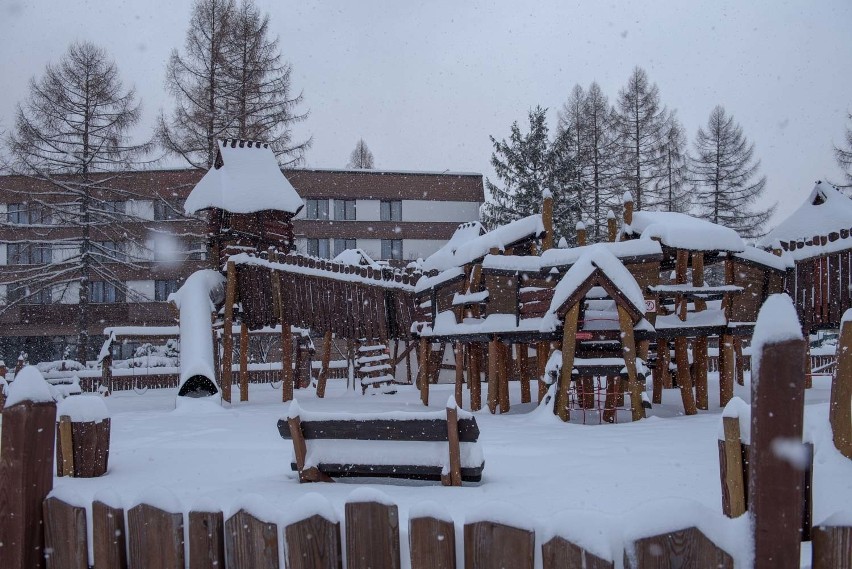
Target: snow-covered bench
(397, 444)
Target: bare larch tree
(843, 155)
(361, 157)
(671, 187)
(725, 172)
(69, 143)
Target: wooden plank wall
(820, 289)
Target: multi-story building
(391, 216)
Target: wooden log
(372, 535)
(504, 369)
(491, 544)
(698, 278)
(613, 386)
(65, 535)
(326, 356)
(206, 540)
(775, 485)
(244, 348)
(108, 536)
(454, 477)
(64, 440)
(286, 362)
(432, 543)
(559, 553)
(524, 372)
(840, 409)
(459, 372)
(832, 547)
(685, 548)
(26, 472)
(569, 345)
(299, 446)
(740, 364)
(664, 360)
(726, 369)
(808, 377)
(250, 543)
(313, 543)
(423, 372)
(684, 379)
(629, 344)
(699, 365)
(542, 352)
(475, 377)
(547, 220)
(155, 538)
(731, 469)
(493, 374)
(227, 331)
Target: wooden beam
(524, 372)
(569, 345)
(504, 372)
(698, 278)
(459, 372)
(731, 465)
(840, 408)
(629, 343)
(474, 377)
(740, 363)
(244, 348)
(423, 372)
(227, 332)
(547, 220)
(326, 356)
(681, 263)
(286, 362)
(726, 369)
(699, 364)
(684, 379)
(453, 444)
(493, 374)
(542, 352)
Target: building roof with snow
(681, 231)
(825, 211)
(246, 178)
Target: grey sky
(425, 83)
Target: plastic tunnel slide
(197, 300)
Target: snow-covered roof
(826, 210)
(598, 257)
(620, 249)
(681, 231)
(761, 257)
(246, 179)
(356, 257)
(468, 244)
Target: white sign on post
(650, 305)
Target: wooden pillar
(542, 352)
(775, 481)
(726, 369)
(524, 370)
(459, 372)
(613, 385)
(586, 391)
(244, 348)
(681, 263)
(698, 278)
(26, 471)
(840, 408)
(286, 363)
(453, 444)
(547, 220)
(808, 377)
(581, 234)
(423, 372)
(611, 227)
(664, 360)
(629, 343)
(504, 373)
(493, 374)
(474, 377)
(699, 358)
(740, 363)
(731, 469)
(326, 356)
(684, 379)
(569, 345)
(227, 332)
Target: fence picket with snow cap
(498, 536)
(312, 534)
(579, 538)
(251, 535)
(372, 530)
(832, 544)
(206, 535)
(685, 548)
(65, 535)
(431, 537)
(155, 531)
(109, 532)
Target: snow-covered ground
(651, 472)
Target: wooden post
(459, 372)
(699, 358)
(808, 377)
(206, 539)
(155, 538)
(492, 544)
(832, 547)
(286, 362)
(326, 356)
(611, 227)
(740, 364)
(681, 264)
(475, 377)
(731, 469)
(299, 446)
(493, 374)
(65, 535)
(108, 536)
(313, 543)
(372, 536)
(26, 471)
(524, 369)
(840, 409)
(542, 350)
(547, 220)
(65, 440)
(581, 234)
(227, 332)
(726, 369)
(687, 547)
(559, 553)
(106, 372)
(613, 385)
(244, 349)
(775, 483)
(684, 379)
(432, 543)
(251, 543)
(698, 278)
(454, 478)
(629, 343)
(569, 345)
(664, 360)
(423, 372)
(503, 375)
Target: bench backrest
(423, 430)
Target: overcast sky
(426, 83)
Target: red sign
(584, 335)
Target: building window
(24, 296)
(316, 209)
(344, 210)
(28, 254)
(162, 289)
(318, 248)
(197, 251)
(167, 210)
(109, 251)
(102, 292)
(112, 206)
(27, 214)
(392, 249)
(341, 245)
(391, 210)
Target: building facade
(392, 216)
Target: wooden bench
(443, 445)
